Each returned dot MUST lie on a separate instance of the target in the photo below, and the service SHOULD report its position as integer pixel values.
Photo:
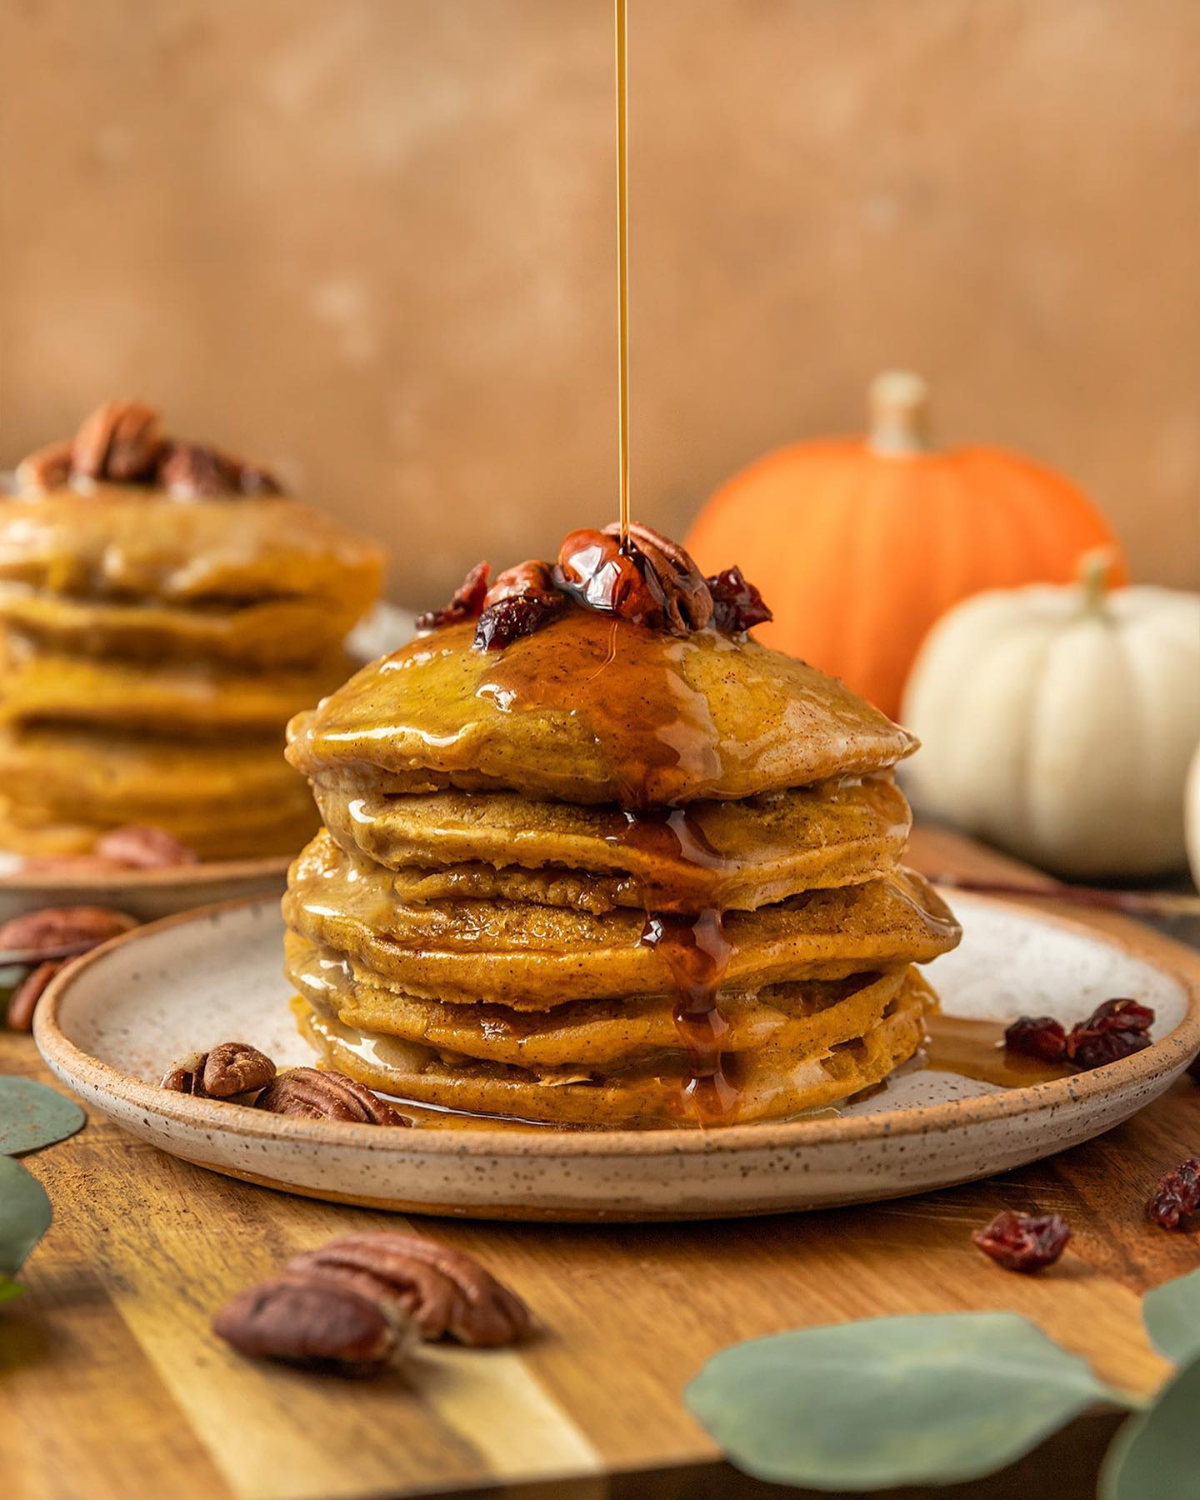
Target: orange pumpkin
(860, 544)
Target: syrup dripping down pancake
(591, 710)
(647, 1094)
(802, 1019)
(719, 854)
(497, 950)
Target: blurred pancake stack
(594, 857)
(164, 610)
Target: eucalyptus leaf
(927, 1399)
(1171, 1313)
(32, 1116)
(1156, 1456)
(24, 1215)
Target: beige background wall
(370, 241)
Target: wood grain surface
(113, 1385)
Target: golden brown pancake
(650, 1093)
(720, 854)
(117, 542)
(123, 776)
(803, 1019)
(594, 710)
(152, 650)
(535, 957)
(270, 633)
(39, 687)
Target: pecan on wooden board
(315, 1322)
(24, 999)
(445, 1292)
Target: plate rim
(1169, 1053)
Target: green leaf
(1171, 1313)
(24, 1214)
(9, 1288)
(929, 1399)
(1156, 1456)
(32, 1115)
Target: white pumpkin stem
(898, 409)
(1093, 573)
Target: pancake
(534, 956)
(122, 776)
(155, 639)
(709, 854)
(226, 832)
(271, 633)
(40, 687)
(650, 1093)
(592, 710)
(800, 1019)
(132, 542)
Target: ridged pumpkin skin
(858, 551)
(1059, 723)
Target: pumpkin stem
(898, 407)
(1093, 571)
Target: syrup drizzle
(623, 267)
(975, 1049)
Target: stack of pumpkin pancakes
(154, 643)
(607, 875)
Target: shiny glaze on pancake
(590, 710)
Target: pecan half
(23, 1000)
(143, 848)
(318, 1095)
(466, 603)
(119, 440)
(47, 468)
(686, 598)
(444, 1292)
(191, 471)
(593, 569)
(315, 1322)
(228, 1069)
(59, 927)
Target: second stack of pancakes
(164, 611)
(607, 875)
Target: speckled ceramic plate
(115, 1020)
(145, 894)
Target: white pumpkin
(1058, 723)
(1192, 815)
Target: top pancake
(133, 542)
(594, 709)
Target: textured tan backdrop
(371, 241)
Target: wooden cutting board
(114, 1389)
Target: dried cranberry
(1116, 1029)
(509, 619)
(1024, 1242)
(737, 604)
(1177, 1196)
(467, 603)
(1037, 1036)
